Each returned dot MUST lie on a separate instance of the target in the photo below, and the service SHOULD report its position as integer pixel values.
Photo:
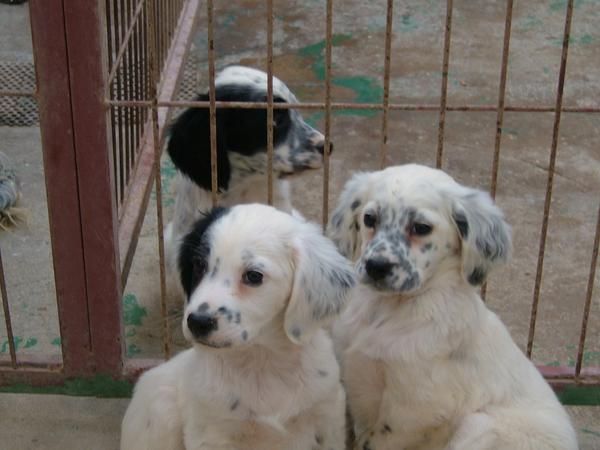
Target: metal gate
(107, 75)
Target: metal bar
(119, 94)
(444, 93)
(110, 36)
(154, 74)
(386, 82)
(136, 202)
(128, 84)
(326, 150)
(500, 110)
(548, 200)
(7, 318)
(211, 96)
(124, 42)
(346, 105)
(588, 298)
(86, 49)
(60, 170)
(270, 102)
(501, 96)
(18, 93)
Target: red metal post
(86, 48)
(60, 167)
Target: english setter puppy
(241, 151)
(262, 373)
(425, 363)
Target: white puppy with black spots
(241, 151)
(425, 363)
(262, 372)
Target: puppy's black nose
(321, 147)
(378, 269)
(201, 324)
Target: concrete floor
(61, 422)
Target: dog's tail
(11, 215)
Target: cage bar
(549, 184)
(212, 100)
(7, 319)
(386, 82)
(444, 93)
(327, 144)
(270, 102)
(154, 78)
(588, 299)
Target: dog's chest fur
(262, 405)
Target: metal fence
(144, 45)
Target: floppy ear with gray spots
(486, 237)
(322, 281)
(343, 227)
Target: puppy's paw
(365, 441)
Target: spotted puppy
(262, 373)
(241, 151)
(426, 365)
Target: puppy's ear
(322, 281)
(344, 225)
(486, 237)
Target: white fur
(430, 366)
(266, 377)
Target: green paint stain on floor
(56, 341)
(133, 313)
(99, 386)
(579, 395)
(531, 22)
(5, 347)
(30, 342)
(366, 90)
(587, 431)
(584, 39)
(167, 173)
(407, 23)
(316, 52)
(561, 5)
(133, 350)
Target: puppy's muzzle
(378, 269)
(201, 325)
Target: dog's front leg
(331, 426)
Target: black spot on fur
(386, 429)
(355, 204)
(242, 131)
(195, 251)
(477, 276)
(426, 247)
(367, 445)
(318, 439)
(461, 222)
(244, 335)
(203, 307)
(235, 404)
(238, 317)
(296, 332)
(323, 373)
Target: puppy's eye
(420, 229)
(369, 220)
(252, 278)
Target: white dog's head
(404, 224)
(250, 268)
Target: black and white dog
(241, 151)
